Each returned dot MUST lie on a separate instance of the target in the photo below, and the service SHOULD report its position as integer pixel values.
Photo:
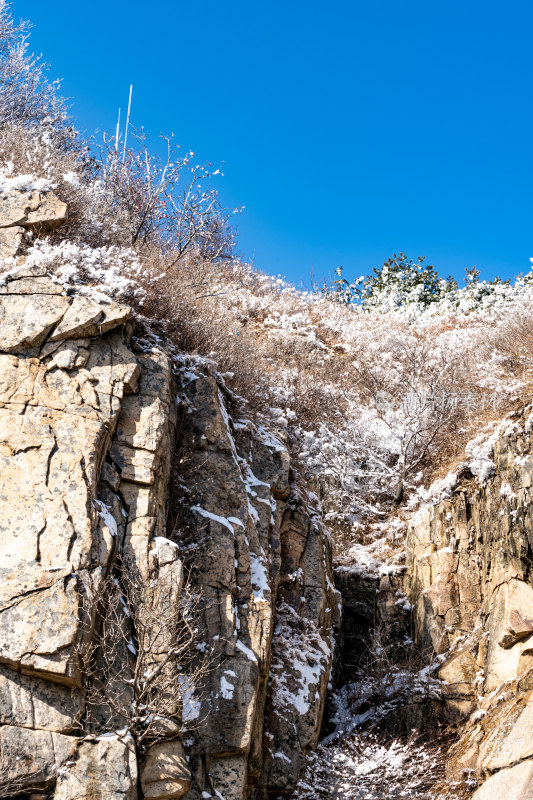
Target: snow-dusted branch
(27, 97)
(166, 201)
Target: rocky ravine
(116, 451)
(95, 419)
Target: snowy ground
(367, 768)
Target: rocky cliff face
(113, 451)
(469, 580)
(133, 489)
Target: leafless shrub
(513, 343)
(418, 403)
(142, 670)
(14, 787)
(166, 202)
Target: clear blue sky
(349, 130)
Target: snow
(104, 512)
(371, 561)
(22, 183)
(214, 517)
(102, 273)
(162, 541)
(506, 490)
(370, 400)
(191, 705)
(259, 577)
(71, 178)
(349, 453)
(300, 660)
(227, 423)
(165, 551)
(250, 655)
(365, 768)
(479, 452)
(226, 688)
(441, 489)
(123, 734)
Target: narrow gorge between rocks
(173, 622)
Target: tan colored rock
(115, 314)
(459, 674)
(25, 271)
(31, 285)
(517, 610)
(24, 211)
(66, 356)
(86, 319)
(508, 734)
(105, 769)
(79, 321)
(135, 464)
(240, 480)
(25, 322)
(479, 542)
(165, 774)
(228, 776)
(509, 623)
(32, 209)
(41, 631)
(11, 240)
(54, 430)
(515, 783)
(47, 216)
(87, 431)
(33, 703)
(31, 758)
(143, 423)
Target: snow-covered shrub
(375, 405)
(115, 195)
(27, 96)
(166, 202)
(415, 289)
(398, 282)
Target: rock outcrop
(263, 561)
(469, 580)
(111, 450)
(26, 211)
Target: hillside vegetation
(380, 383)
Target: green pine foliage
(401, 282)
